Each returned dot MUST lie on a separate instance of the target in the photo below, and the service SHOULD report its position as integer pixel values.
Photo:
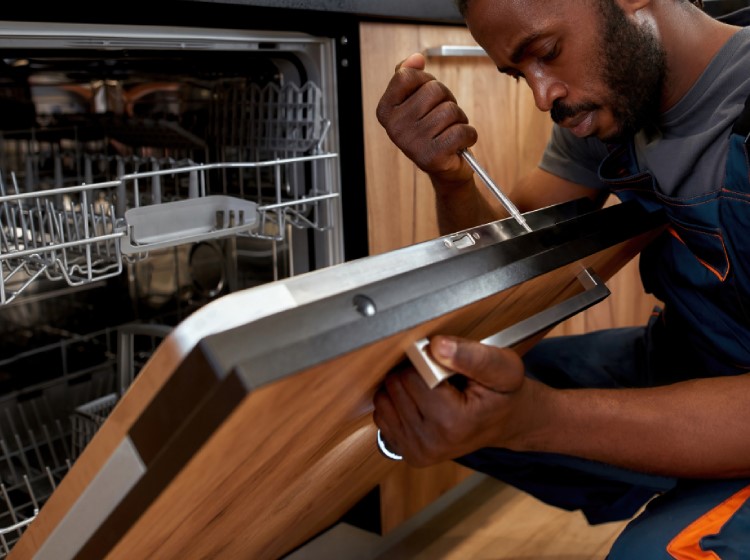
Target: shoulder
(572, 158)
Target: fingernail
(446, 348)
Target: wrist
(545, 425)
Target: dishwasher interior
(143, 173)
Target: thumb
(416, 61)
(499, 369)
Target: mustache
(561, 111)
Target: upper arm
(541, 188)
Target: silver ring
(385, 451)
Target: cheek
(586, 84)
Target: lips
(581, 125)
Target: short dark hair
(463, 5)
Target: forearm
(461, 207)
(696, 429)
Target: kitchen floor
(480, 519)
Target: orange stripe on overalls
(713, 270)
(686, 545)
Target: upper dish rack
(76, 233)
(274, 174)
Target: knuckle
(382, 111)
(433, 90)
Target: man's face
(591, 66)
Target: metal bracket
(594, 292)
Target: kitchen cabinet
(401, 202)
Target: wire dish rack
(273, 154)
(40, 439)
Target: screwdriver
(504, 200)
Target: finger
(402, 86)
(436, 405)
(432, 116)
(397, 413)
(404, 397)
(416, 61)
(451, 138)
(392, 401)
(387, 420)
(436, 102)
(499, 369)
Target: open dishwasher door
(249, 431)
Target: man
(647, 97)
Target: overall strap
(742, 124)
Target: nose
(546, 90)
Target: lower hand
(496, 407)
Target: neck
(691, 39)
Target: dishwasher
(144, 172)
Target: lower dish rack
(41, 436)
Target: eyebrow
(520, 50)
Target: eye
(551, 54)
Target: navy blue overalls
(700, 268)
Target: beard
(633, 68)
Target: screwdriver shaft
(504, 200)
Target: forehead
(500, 26)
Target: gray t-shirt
(688, 155)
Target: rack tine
(94, 226)
(11, 509)
(88, 175)
(22, 453)
(30, 180)
(21, 211)
(51, 447)
(9, 459)
(39, 218)
(11, 223)
(5, 244)
(6, 548)
(51, 478)
(35, 446)
(62, 439)
(58, 167)
(31, 494)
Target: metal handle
(595, 291)
(443, 51)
